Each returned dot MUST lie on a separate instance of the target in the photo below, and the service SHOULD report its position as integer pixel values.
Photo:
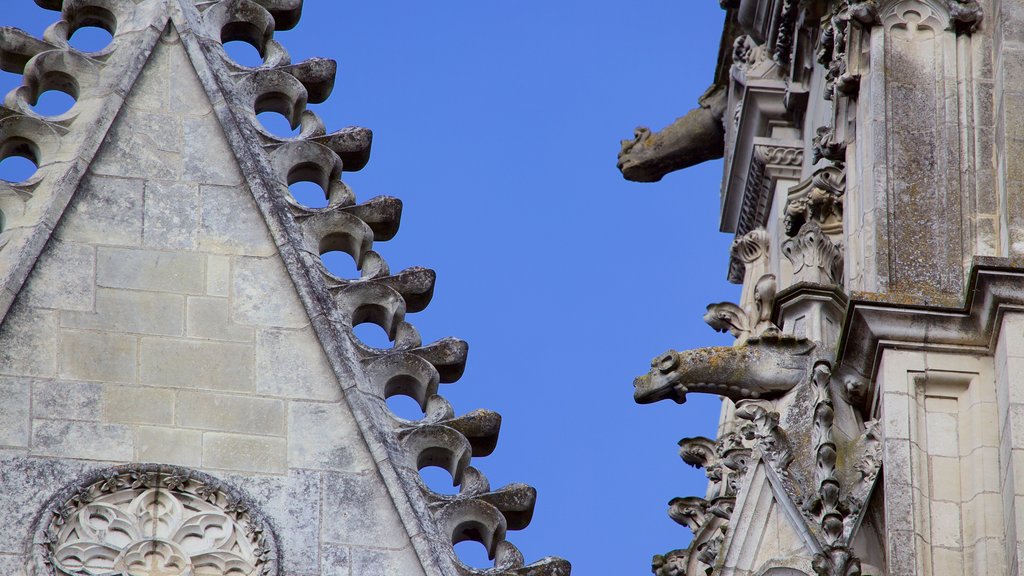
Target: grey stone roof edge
(995, 286)
(433, 521)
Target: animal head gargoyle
(765, 367)
(743, 324)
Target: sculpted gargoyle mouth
(661, 383)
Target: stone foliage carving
(149, 520)
(763, 429)
(744, 324)
(814, 256)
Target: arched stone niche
(153, 520)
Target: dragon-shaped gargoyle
(764, 364)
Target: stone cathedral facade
(873, 402)
(181, 392)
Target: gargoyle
(690, 140)
(765, 367)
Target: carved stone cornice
(873, 325)
(769, 162)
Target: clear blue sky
(498, 123)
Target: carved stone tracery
(150, 520)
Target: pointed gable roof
(64, 147)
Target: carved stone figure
(692, 139)
(765, 367)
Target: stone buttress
(872, 402)
(181, 389)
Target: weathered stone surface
(169, 446)
(98, 356)
(360, 512)
(232, 224)
(131, 311)
(29, 337)
(263, 454)
(27, 483)
(171, 215)
(264, 295)
(86, 440)
(14, 412)
(64, 275)
(218, 275)
(369, 562)
(195, 364)
(136, 405)
(67, 400)
(142, 144)
(291, 363)
(179, 272)
(105, 210)
(325, 437)
(211, 318)
(197, 165)
(227, 413)
(293, 503)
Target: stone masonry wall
(160, 326)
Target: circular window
(149, 520)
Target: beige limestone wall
(160, 326)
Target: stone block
(66, 400)
(169, 446)
(361, 512)
(229, 413)
(138, 405)
(196, 364)
(945, 477)
(98, 356)
(211, 318)
(207, 141)
(151, 91)
(232, 223)
(172, 215)
(325, 437)
(264, 295)
(15, 401)
(180, 272)
(28, 342)
(104, 210)
(26, 484)
(371, 562)
(292, 503)
(335, 560)
(263, 454)
(218, 276)
(84, 440)
(15, 565)
(130, 311)
(189, 95)
(143, 144)
(292, 363)
(62, 277)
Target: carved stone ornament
(744, 324)
(814, 256)
(671, 564)
(150, 520)
(763, 429)
(690, 512)
(825, 146)
(818, 199)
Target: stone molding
(873, 326)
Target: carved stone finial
(814, 256)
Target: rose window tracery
(156, 521)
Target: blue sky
(497, 123)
